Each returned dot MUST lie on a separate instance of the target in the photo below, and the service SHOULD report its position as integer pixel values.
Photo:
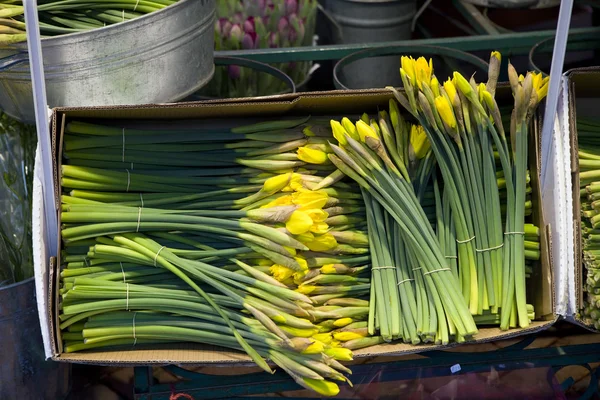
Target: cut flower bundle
(298, 241)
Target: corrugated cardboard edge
(345, 102)
(576, 214)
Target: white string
(416, 269)
(127, 304)
(132, 167)
(136, 4)
(406, 280)
(436, 270)
(142, 199)
(123, 272)
(490, 248)
(137, 229)
(453, 257)
(123, 15)
(375, 268)
(133, 322)
(157, 253)
(128, 180)
(464, 241)
(123, 154)
(514, 233)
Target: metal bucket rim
(394, 50)
(256, 65)
(22, 46)
(14, 285)
(574, 38)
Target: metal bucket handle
(15, 59)
(583, 41)
(396, 50)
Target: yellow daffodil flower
(350, 128)
(435, 86)
(325, 338)
(423, 71)
(339, 353)
(540, 85)
(407, 64)
(319, 228)
(299, 222)
(322, 243)
(342, 322)
(328, 269)
(312, 156)
(306, 289)
(450, 89)
(315, 348)
(339, 133)
(310, 199)
(419, 141)
(302, 262)
(463, 85)
(278, 182)
(280, 272)
(346, 336)
(285, 200)
(444, 108)
(322, 387)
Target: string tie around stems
(123, 272)
(128, 180)
(157, 253)
(136, 4)
(416, 269)
(384, 267)
(141, 196)
(465, 241)
(137, 229)
(133, 323)
(404, 281)
(452, 257)
(436, 270)
(514, 233)
(127, 296)
(490, 248)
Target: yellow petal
(310, 199)
(323, 337)
(280, 272)
(450, 89)
(299, 222)
(339, 353)
(435, 86)
(342, 322)
(315, 348)
(312, 156)
(423, 71)
(339, 133)
(345, 336)
(322, 243)
(319, 228)
(306, 289)
(445, 110)
(302, 262)
(317, 215)
(463, 85)
(350, 128)
(365, 130)
(419, 141)
(497, 55)
(277, 182)
(280, 201)
(408, 66)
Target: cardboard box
(583, 97)
(349, 103)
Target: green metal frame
(509, 44)
(435, 364)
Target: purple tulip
(291, 7)
(236, 33)
(283, 27)
(249, 25)
(250, 41)
(234, 71)
(225, 27)
(238, 18)
(273, 40)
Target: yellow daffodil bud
(315, 348)
(277, 182)
(322, 387)
(365, 118)
(306, 289)
(342, 322)
(280, 201)
(264, 262)
(312, 156)
(350, 128)
(444, 108)
(423, 71)
(364, 130)
(339, 353)
(486, 97)
(450, 89)
(302, 262)
(280, 272)
(299, 222)
(540, 85)
(290, 250)
(298, 332)
(463, 85)
(345, 336)
(310, 199)
(305, 237)
(325, 338)
(496, 55)
(308, 131)
(419, 141)
(435, 86)
(408, 66)
(339, 133)
(521, 78)
(322, 243)
(328, 269)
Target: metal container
(515, 3)
(445, 61)
(371, 21)
(157, 58)
(24, 372)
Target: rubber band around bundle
(490, 248)
(127, 294)
(436, 270)
(514, 233)
(157, 253)
(416, 269)
(404, 281)
(465, 241)
(123, 272)
(141, 199)
(137, 229)
(452, 257)
(128, 180)
(123, 154)
(388, 267)
(133, 322)
(136, 4)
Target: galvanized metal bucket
(160, 57)
(371, 21)
(24, 372)
(445, 61)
